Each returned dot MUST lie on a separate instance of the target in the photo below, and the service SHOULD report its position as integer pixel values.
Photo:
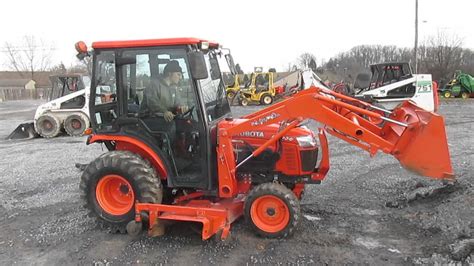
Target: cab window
(105, 90)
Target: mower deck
(216, 217)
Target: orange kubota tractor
(207, 167)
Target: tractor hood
(296, 135)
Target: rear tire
(266, 99)
(48, 126)
(272, 210)
(112, 183)
(465, 95)
(76, 124)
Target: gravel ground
(367, 211)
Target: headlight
(306, 141)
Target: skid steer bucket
(422, 145)
(24, 131)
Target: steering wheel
(187, 113)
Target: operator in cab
(162, 97)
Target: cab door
(182, 142)
(104, 111)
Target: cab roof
(151, 42)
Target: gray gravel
(346, 218)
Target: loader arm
(414, 136)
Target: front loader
(207, 167)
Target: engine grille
(308, 159)
(291, 158)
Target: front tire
(112, 183)
(447, 94)
(272, 210)
(266, 99)
(48, 126)
(244, 102)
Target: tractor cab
(167, 95)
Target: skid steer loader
(199, 164)
(393, 83)
(67, 108)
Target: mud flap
(24, 131)
(422, 147)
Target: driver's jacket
(159, 98)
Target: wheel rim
(464, 95)
(447, 94)
(244, 102)
(230, 95)
(76, 124)
(267, 100)
(47, 125)
(270, 214)
(115, 195)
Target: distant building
(19, 85)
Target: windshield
(213, 89)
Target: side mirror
(230, 62)
(197, 63)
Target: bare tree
(87, 64)
(441, 55)
(238, 69)
(59, 69)
(306, 60)
(291, 66)
(31, 55)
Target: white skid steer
(393, 83)
(67, 108)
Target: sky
(259, 33)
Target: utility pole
(415, 51)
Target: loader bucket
(422, 147)
(24, 131)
